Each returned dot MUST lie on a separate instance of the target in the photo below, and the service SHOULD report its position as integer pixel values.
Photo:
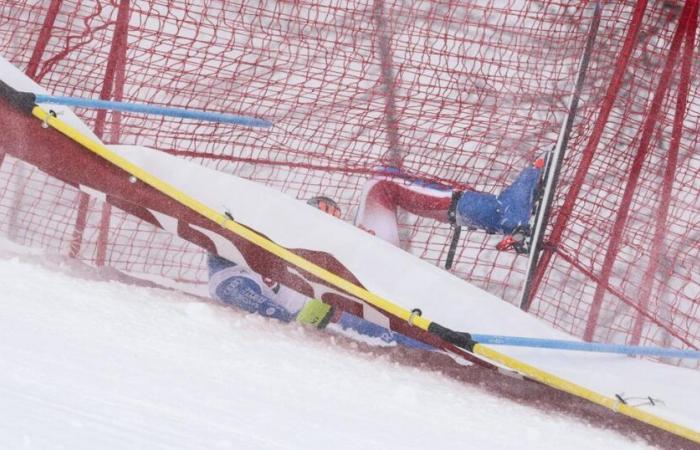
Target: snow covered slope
(87, 363)
(410, 282)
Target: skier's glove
(315, 313)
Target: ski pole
(518, 341)
(154, 110)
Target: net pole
(388, 81)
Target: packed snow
(449, 300)
(90, 361)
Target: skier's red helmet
(325, 204)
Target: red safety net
(462, 92)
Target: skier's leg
(494, 214)
(479, 210)
(382, 196)
(376, 212)
(517, 200)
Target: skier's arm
(236, 285)
(233, 286)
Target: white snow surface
(92, 363)
(411, 282)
